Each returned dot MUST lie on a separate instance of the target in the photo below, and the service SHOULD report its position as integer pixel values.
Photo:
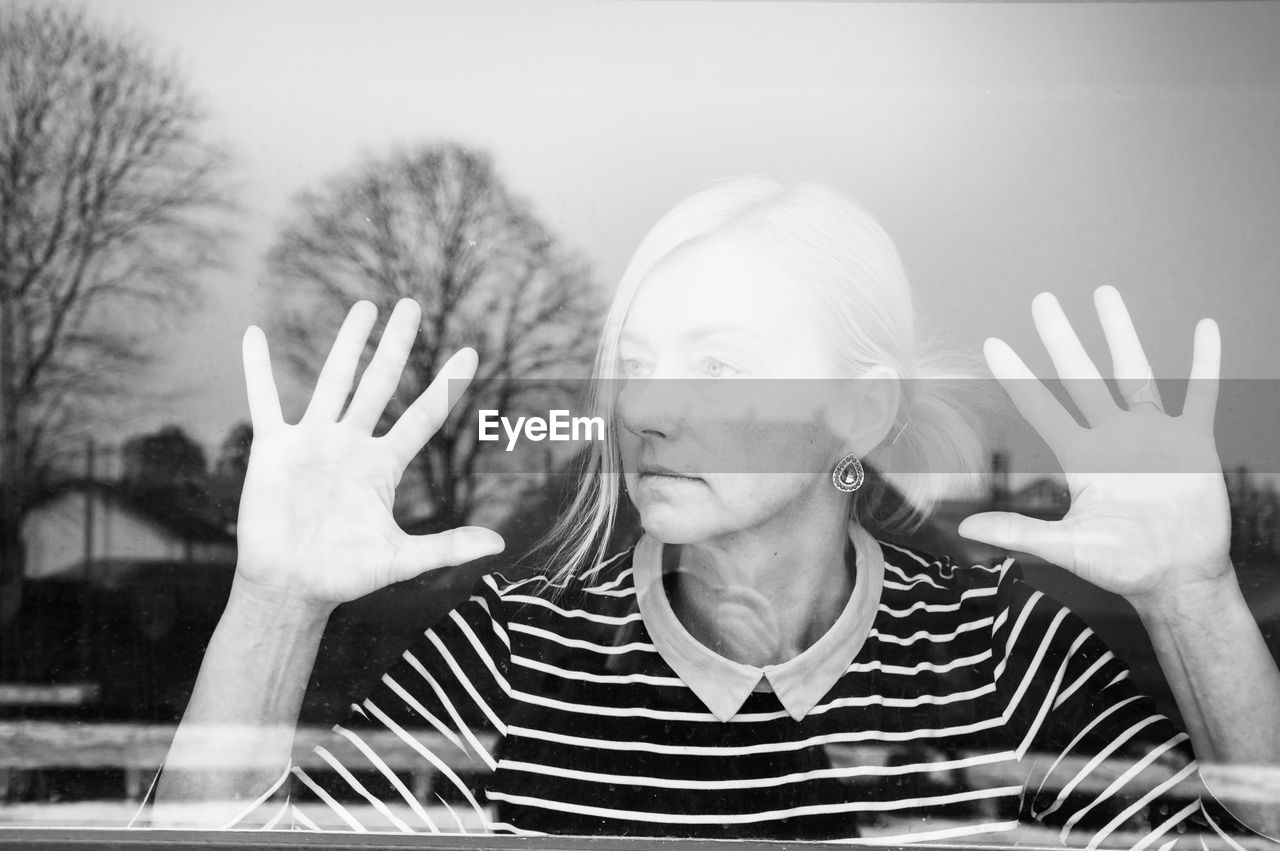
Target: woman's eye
(633, 368)
(714, 368)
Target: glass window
(759, 424)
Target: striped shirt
(971, 693)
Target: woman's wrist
(1190, 604)
(1194, 609)
(256, 606)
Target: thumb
(1010, 531)
(415, 554)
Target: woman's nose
(651, 407)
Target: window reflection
(82, 748)
(934, 690)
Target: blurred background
(172, 172)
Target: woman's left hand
(1149, 517)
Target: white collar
(800, 682)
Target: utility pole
(11, 559)
(85, 643)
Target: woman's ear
(868, 411)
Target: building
(88, 523)
(122, 588)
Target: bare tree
(437, 224)
(229, 468)
(233, 453)
(108, 212)
(167, 458)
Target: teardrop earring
(848, 475)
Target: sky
(1007, 148)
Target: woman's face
(714, 442)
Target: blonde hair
(845, 256)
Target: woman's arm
(1150, 520)
(315, 529)
(235, 738)
(1227, 687)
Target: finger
(1206, 361)
(1008, 531)
(1032, 399)
(382, 376)
(1129, 363)
(416, 554)
(339, 370)
(260, 384)
(429, 411)
(1072, 363)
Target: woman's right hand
(315, 527)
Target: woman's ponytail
(939, 446)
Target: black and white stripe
(999, 704)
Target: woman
(707, 682)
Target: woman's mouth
(658, 473)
